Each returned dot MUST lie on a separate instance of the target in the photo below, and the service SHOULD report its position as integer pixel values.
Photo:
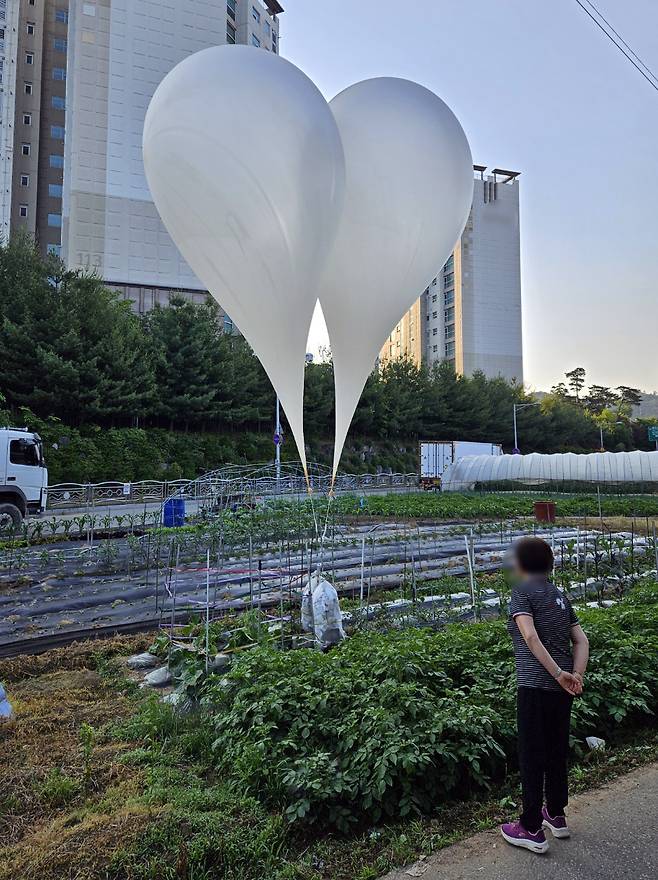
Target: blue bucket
(173, 513)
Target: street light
(516, 450)
(602, 447)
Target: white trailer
(437, 456)
(23, 477)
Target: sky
(539, 89)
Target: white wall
(119, 51)
(491, 285)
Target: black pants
(543, 719)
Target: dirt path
(615, 837)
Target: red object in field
(544, 511)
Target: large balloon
(245, 165)
(408, 192)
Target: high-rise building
(470, 315)
(84, 74)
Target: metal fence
(89, 495)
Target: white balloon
(408, 193)
(245, 165)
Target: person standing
(551, 653)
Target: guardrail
(66, 495)
(88, 495)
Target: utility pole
(277, 440)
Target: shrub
(387, 724)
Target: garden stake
(207, 607)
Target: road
(614, 837)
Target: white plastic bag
(321, 612)
(6, 712)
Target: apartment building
(470, 315)
(84, 74)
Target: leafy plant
(59, 789)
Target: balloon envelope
(245, 165)
(408, 193)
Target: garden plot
(81, 587)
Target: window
(55, 250)
(55, 220)
(57, 132)
(450, 349)
(60, 45)
(55, 190)
(59, 103)
(435, 315)
(27, 119)
(25, 179)
(274, 39)
(30, 2)
(88, 9)
(62, 15)
(449, 315)
(228, 324)
(29, 58)
(30, 28)
(25, 452)
(435, 332)
(434, 298)
(22, 210)
(230, 33)
(267, 27)
(434, 283)
(230, 8)
(255, 14)
(435, 348)
(449, 331)
(254, 40)
(449, 279)
(57, 161)
(28, 88)
(449, 297)
(26, 149)
(59, 73)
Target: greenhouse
(632, 471)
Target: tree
(560, 390)
(68, 346)
(600, 398)
(630, 396)
(576, 380)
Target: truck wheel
(11, 519)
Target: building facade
(94, 66)
(470, 315)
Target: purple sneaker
(515, 833)
(557, 825)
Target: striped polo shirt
(553, 617)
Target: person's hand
(570, 683)
(580, 678)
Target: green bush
(387, 724)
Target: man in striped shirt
(551, 652)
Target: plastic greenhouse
(629, 471)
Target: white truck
(23, 477)
(437, 456)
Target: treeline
(75, 358)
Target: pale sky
(539, 89)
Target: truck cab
(23, 477)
